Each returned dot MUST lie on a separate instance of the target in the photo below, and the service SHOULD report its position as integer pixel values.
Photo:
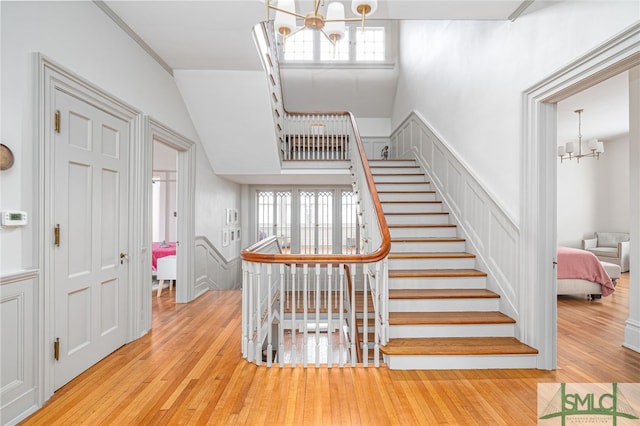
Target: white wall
(232, 112)
(467, 78)
(594, 195)
(80, 37)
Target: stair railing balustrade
(294, 302)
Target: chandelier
(332, 25)
(594, 146)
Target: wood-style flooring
(189, 370)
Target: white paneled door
(90, 214)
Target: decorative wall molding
(213, 271)
(491, 234)
(19, 345)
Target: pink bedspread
(157, 252)
(582, 264)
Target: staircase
(441, 315)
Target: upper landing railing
(301, 136)
(294, 303)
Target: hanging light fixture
(593, 149)
(332, 26)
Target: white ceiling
(606, 111)
(217, 35)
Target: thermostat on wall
(13, 218)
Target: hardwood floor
(189, 370)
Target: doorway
(159, 137)
(538, 245)
(164, 218)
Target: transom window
(371, 45)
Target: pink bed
(157, 251)
(580, 272)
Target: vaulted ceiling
(216, 35)
(191, 38)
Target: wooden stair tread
(427, 240)
(415, 213)
(402, 182)
(435, 225)
(405, 166)
(462, 317)
(414, 191)
(457, 346)
(397, 174)
(435, 273)
(413, 202)
(435, 255)
(433, 293)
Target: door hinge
(56, 235)
(56, 121)
(56, 349)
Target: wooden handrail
(385, 246)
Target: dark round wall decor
(6, 157)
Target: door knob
(123, 256)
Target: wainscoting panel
(213, 271)
(18, 346)
(491, 233)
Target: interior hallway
(189, 370)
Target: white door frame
(539, 210)
(49, 78)
(185, 186)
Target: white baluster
(329, 322)
(245, 309)
(269, 313)
(318, 304)
(281, 323)
(376, 323)
(341, 323)
(354, 326)
(294, 332)
(257, 349)
(305, 316)
(365, 316)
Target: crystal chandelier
(332, 25)
(594, 146)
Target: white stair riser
(399, 178)
(451, 330)
(395, 170)
(437, 283)
(438, 263)
(444, 305)
(407, 196)
(417, 219)
(392, 163)
(449, 231)
(414, 208)
(427, 219)
(428, 247)
(459, 362)
(390, 186)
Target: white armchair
(612, 247)
(166, 270)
